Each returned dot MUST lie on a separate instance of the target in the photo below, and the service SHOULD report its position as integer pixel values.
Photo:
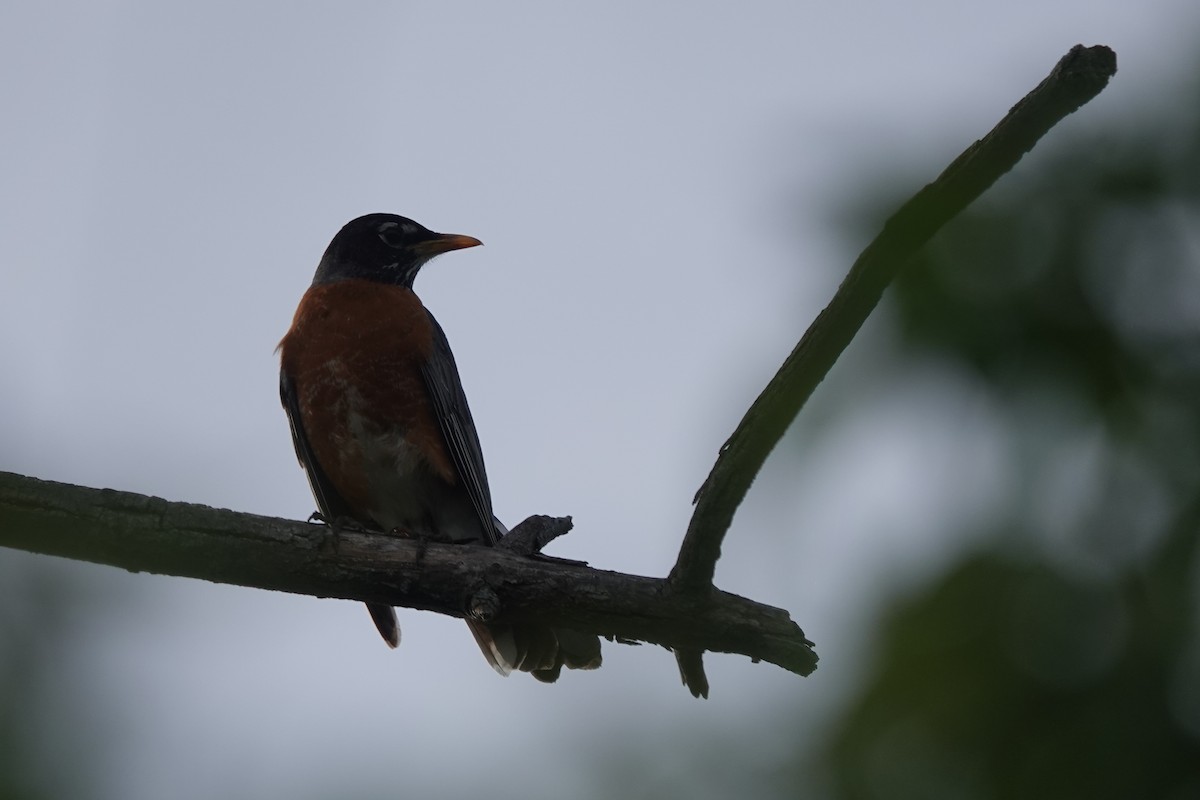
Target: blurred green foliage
(44, 752)
(1063, 660)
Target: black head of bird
(385, 248)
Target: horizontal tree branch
(1078, 77)
(148, 534)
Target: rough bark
(148, 534)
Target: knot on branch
(484, 605)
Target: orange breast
(354, 354)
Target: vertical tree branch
(1078, 77)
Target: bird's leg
(329, 541)
(422, 540)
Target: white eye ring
(386, 234)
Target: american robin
(381, 424)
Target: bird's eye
(391, 233)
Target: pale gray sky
(653, 185)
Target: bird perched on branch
(381, 424)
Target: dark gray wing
(329, 502)
(458, 429)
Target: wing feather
(458, 428)
(329, 502)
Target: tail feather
(548, 675)
(498, 646)
(539, 650)
(385, 620)
(536, 649)
(578, 650)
